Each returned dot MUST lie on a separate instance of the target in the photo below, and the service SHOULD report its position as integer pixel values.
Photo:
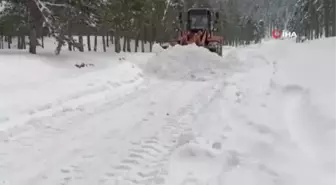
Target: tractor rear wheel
(220, 50)
(215, 48)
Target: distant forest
(242, 22)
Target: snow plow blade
(216, 49)
(212, 48)
(165, 45)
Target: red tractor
(199, 30)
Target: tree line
(314, 18)
(145, 21)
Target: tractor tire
(220, 50)
(217, 49)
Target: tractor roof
(204, 9)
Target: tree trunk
(129, 45)
(326, 17)
(23, 41)
(111, 38)
(59, 47)
(42, 40)
(117, 41)
(70, 35)
(80, 39)
(19, 42)
(333, 21)
(143, 33)
(152, 36)
(104, 44)
(107, 39)
(124, 43)
(9, 41)
(61, 40)
(89, 42)
(1, 42)
(32, 40)
(95, 43)
(136, 45)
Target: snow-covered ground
(261, 115)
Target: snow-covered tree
(313, 18)
(154, 20)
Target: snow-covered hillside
(260, 115)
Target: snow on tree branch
(55, 26)
(54, 4)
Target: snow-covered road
(180, 117)
(123, 138)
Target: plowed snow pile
(186, 63)
(35, 86)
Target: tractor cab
(199, 19)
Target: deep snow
(260, 115)
(197, 65)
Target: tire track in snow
(50, 130)
(111, 173)
(188, 115)
(130, 162)
(149, 156)
(87, 153)
(78, 112)
(170, 88)
(50, 106)
(59, 108)
(52, 133)
(152, 154)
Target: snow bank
(311, 65)
(185, 63)
(18, 68)
(33, 86)
(157, 49)
(308, 81)
(275, 120)
(282, 113)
